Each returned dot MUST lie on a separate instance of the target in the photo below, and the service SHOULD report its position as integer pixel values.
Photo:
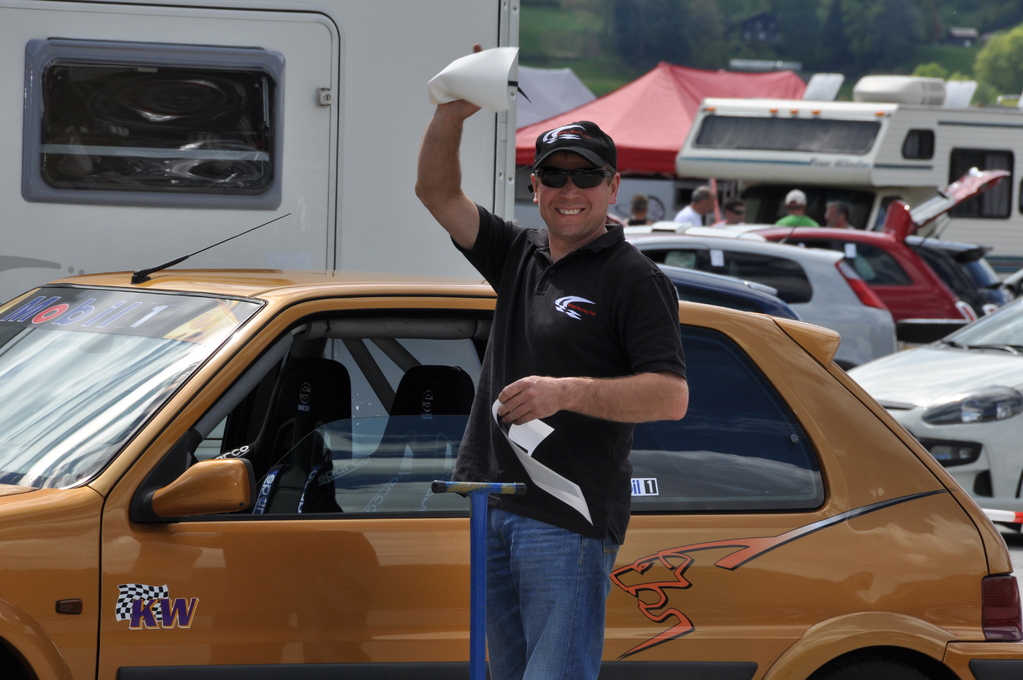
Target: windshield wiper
(1011, 349)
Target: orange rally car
(227, 474)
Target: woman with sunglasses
(585, 336)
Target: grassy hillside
(554, 37)
(569, 33)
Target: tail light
(864, 292)
(1000, 610)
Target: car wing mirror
(206, 488)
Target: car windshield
(81, 370)
(1003, 327)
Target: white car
(962, 398)
(818, 284)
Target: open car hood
(900, 221)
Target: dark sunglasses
(584, 179)
(736, 211)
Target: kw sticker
(145, 607)
(654, 596)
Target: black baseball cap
(582, 138)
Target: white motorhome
(139, 131)
(897, 139)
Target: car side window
(784, 275)
(360, 416)
(873, 264)
(739, 447)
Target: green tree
(897, 30)
(1000, 62)
(932, 70)
(705, 34)
(688, 32)
(800, 30)
(834, 54)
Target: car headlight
(982, 406)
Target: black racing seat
(419, 444)
(309, 393)
(433, 391)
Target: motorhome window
(994, 203)
(143, 124)
(919, 144)
(812, 135)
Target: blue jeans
(546, 594)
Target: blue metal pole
(478, 492)
(478, 585)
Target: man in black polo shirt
(585, 337)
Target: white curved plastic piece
(485, 78)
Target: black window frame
(918, 145)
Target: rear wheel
(872, 668)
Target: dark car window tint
(873, 264)
(739, 446)
(944, 265)
(784, 275)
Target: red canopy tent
(650, 117)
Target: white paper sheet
(524, 439)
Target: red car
(895, 265)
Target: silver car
(818, 284)
(962, 398)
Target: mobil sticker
(142, 313)
(55, 310)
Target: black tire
(872, 668)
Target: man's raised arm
(439, 178)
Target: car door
(380, 576)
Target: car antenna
(787, 236)
(142, 275)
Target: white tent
(550, 92)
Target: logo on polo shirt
(573, 306)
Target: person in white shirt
(701, 203)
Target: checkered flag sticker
(130, 592)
